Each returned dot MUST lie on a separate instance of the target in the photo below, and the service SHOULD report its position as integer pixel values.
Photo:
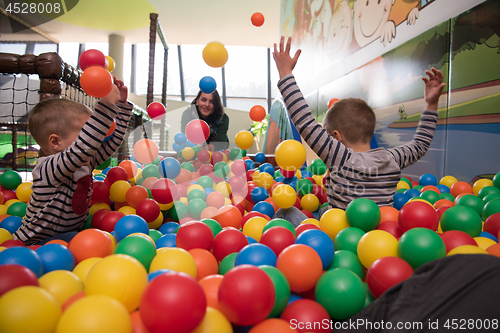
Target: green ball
(104, 164)
(227, 263)
(88, 223)
(318, 167)
(487, 190)
(369, 297)
(214, 225)
(139, 247)
(490, 197)
(407, 181)
(341, 293)
(348, 238)
(463, 218)
(155, 234)
(205, 182)
(178, 211)
(418, 187)
(150, 170)
(196, 194)
(281, 288)
(418, 246)
(431, 196)
(447, 196)
(196, 150)
(10, 180)
(221, 169)
(471, 201)
(277, 174)
(363, 213)
(157, 160)
(195, 207)
(17, 209)
(280, 223)
(349, 260)
(188, 166)
(244, 152)
(402, 190)
(496, 180)
(235, 154)
(303, 187)
(491, 207)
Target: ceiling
(182, 21)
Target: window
(16, 48)
(69, 53)
(44, 48)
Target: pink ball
(385, 273)
(195, 235)
(418, 214)
(197, 131)
(156, 110)
(238, 167)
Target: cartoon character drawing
(402, 112)
(339, 35)
(321, 14)
(371, 21)
(302, 13)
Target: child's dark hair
(352, 118)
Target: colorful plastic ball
(221, 169)
(348, 238)
(448, 181)
(363, 213)
(254, 227)
(254, 286)
(194, 235)
(116, 173)
(169, 167)
(61, 284)
(56, 257)
(318, 167)
(29, 309)
(301, 265)
(259, 194)
(111, 63)
(281, 288)
(333, 221)
(156, 110)
(167, 240)
(145, 151)
(91, 57)
(400, 199)
(22, 256)
(418, 215)
(490, 208)
(197, 131)
(23, 191)
(180, 138)
(14, 275)
(385, 273)
(207, 84)
(277, 239)
(418, 246)
(214, 321)
(460, 187)
(10, 180)
(206, 264)
(228, 241)
(290, 155)
(341, 293)
(148, 209)
(467, 249)
(96, 81)
(349, 260)
(11, 223)
(256, 254)
(138, 247)
(455, 238)
(244, 140)
(164, 191)
(130, 224)
(492, 224)
(257, 19)
(427, 179)
(306, 311)
(309, 202)
(215, 54)
(376, 244)
(118, 191)
(320, 242)
(257, 113)
(178, 211)
(265, 208)
(471, 201)
(174, 258)
(462, 218)
(484, 242)
(168, 227)
(227, 263)
(430, 196)
(479, 184)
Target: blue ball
(105, 170)
(251, 240)
(291, 181)
(167, 240)
(443, 188)
(305, 173)
(427, 179)
(412, 193)
(208, 84)
(256, 254)
(250, 164)
(264, 207)
(294, 297)
(259, 194)
(279, 179)
(208, 190)
(268, 168)
(169, 167)
(320, 242)
(190, 144)
(488, 235)
(154, 274)
(11, 223)
(177, 147)
(130, 224)
(399, 200)
(260, 157)
(23, 256)
(168, 228)
(56, 257)
(180, 138)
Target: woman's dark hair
(218, 108)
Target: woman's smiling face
(205, 105)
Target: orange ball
(257, 19)
(275, 325)
(135, 195)
(460, 187)
(215, 199)
(271, 201)
(72, 299)
(58, 241)
(130, 167)
(210, 285)
(145, 151)
(206, 264)
(257, 113)
(301, 266)
(388, 213)
(96, 81)
(431, 188)
(183, 177)
(209, 213)
(90, 243)
(149, 182)
(229, 216)
(137, 323)
(494, 250)
(443, 203)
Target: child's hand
(284, 62)
(122, 89)
(433, 88)
(113, 96)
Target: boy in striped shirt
(343, 142)
(71, 136)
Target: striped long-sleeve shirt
(56, 177)
(373, 174)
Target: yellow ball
(165, 207)
(376, 244)
(112, 238)
(174, 258)
(309, 202)
(195, 187)
(96, 314)
(4, 235)
(184, 200)
(484, 242)
(83, 268)
(402, 184)
(448, 181)
(98, 206)
(467, 249)
(156, 223)
(265, 180)
(10, 202)
(61, 284)
(254, 226)
(478, 185)
(290, 154)
(111, 63)
(244, 140)
(333, 221)
(29, 309)
(214, 321)
(23, 191)
(284, 196)
(3, 209)
(127, 210)
(119, 276)
(318, 179)
(118, 190)
(310, 221)
(188, 153)
(298, 174)
(215, 55)
(223, 188)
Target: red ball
(156, 110)
(100, 191)
(197, 131)
(440, 211)
(96, 81)
(228, 241)
(236, 183)
(148, 209)
(492, 224)
(249, 175)
(109, 220)
(246, 295)
(12, 243)
(306, 311)
(164, 191)
(391, 227)
(217, 157)
(14, 275)
(308, 213)
(238, 167)
(306, 226)
(203, 156)
(257, 112)
(195, 235)
(332, 101)
(96, 220)
(456, 238)
(92, 57)
(116, 173)
(173, 302)
(277, 238)
(206, 169)
(8, 195)
(385, 273)
(257, 19)
(418, 214)
(251, 214)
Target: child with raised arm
(71, 136)
(343, 142)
